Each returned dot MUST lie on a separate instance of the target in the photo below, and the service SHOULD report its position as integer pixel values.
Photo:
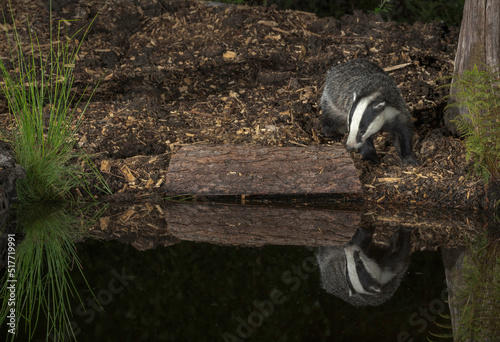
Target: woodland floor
(175, 73)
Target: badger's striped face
(367, 116)
(363, 274)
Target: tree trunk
(453, 259)
(261, 170)
(478, 44)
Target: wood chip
(396, 67)
(229, 55)
(389, 179)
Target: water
(198, 291)
(202, 292)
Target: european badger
(361, 99)
(361, 272)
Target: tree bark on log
(453, 259)
(261, 225)
(261, 170)
(478, 44)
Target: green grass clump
(478, 92)
(46, 114)
(43, 108)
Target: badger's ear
(353, 97)
(379, 106)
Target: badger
(361, 99)
(363, 273)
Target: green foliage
(43, 263)
(479, 297)
(435, 10)
(448, 335)
(446, 328)
(385, 7)
(43, 107)
(478, 92)
(398, 10)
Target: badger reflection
(363, 272)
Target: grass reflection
(43, 262)
(479, 294)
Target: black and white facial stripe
(363, 274)
(367, 116)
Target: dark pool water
(202, 292)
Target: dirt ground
(174, 73)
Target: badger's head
(363, 274)
(367, 116)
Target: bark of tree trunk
(453, 259)
(261, 170)
(478, 43)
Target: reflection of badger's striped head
(363, 274)
(367, 116)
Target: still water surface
(199, 291)
(202, 292)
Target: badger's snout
(352, 145)
(351, 148)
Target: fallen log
(242, 225)
(261, 170)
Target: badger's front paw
(410, 160)
(371, 157)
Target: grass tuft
(46, 114)
(43, 108)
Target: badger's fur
(361, 272)
(361, 99)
